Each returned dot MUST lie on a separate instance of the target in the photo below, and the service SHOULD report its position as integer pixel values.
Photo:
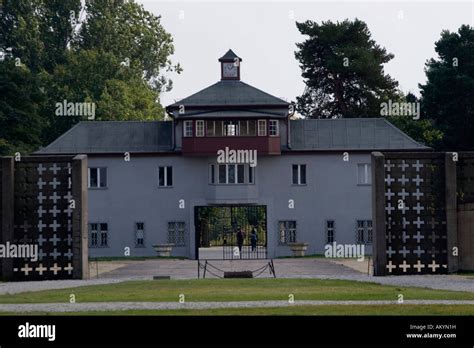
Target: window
(200, 128)
(188, 128)
(364, 232)
(231, 128)
(165, 176)
(211, 128)
(240, 174)
(252, 128)
(176, 233)
(273, 128)
(251, 175)
(139, 234)
(212, 174)
(330, 231)
(97, 177)
(231, 174)
(287, 232)
(219, 130)
(364, 174)
(262, 128)
(243, 128)
(299, 174)
(98, 235)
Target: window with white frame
(139, 234)
(364, 232)
(364, 174)
(165, 176)
(98, 235)
(97, 177)
(177, 233)
(273, 128)
(188, 128)
(262, 128)
(330, 231)
(299, 174)
(286, 232)
(199, 128)
(231, 173)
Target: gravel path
(119, 306)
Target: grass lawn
(290, 310)
(234, 290)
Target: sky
(264, 35)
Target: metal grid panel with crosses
(415, 214)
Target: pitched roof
(230, 93)
(113, 137)
(102, 137)
(229, 56)
(349, 134)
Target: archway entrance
(231, 232)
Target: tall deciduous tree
(112, 53)
(130, 33)
(448, 95)
(343, 70)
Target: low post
(7, 213)
(451, 212)
(378, 214)
(79, 218)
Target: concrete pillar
(80, 233)
(451, 212)
(465, 236)
(7, 213)
(378, 214)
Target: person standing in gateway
(253, 239)
(240, 241)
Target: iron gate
(233, 232)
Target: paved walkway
(120, 306)
(316, 268)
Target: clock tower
(230, 66)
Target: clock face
(229, 70)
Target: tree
(448, 95)
(37, 32)
(20, 122)
(111, 53)
(421, 130)
(343, 70)
(132, 34)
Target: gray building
(177, 182)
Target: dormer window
(188, 128)
(262, 128)
(231, 128)
(273, 128)
(200, 128)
